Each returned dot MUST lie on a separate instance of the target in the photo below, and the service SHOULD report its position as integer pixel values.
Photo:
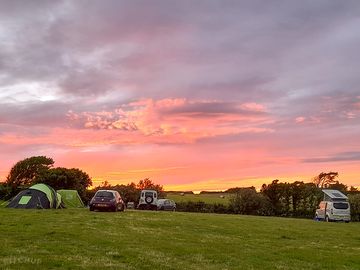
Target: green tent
(37, 196)
(71, 198)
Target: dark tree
(248, 202)
(23, 173)
(354, 200)
(338, 186)
(148, 184)
(63, 178)
(323, 180)
(273, 193)
(128, 192)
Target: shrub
(249, 202)
(354, 200)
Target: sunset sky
(195, 95)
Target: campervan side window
(340, 205)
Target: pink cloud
(300, 119)
(173, 119)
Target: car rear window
(105, 194)
(148, 194)
(340, 205)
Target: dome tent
(37, 196)
(71, 198)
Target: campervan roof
(334, 194)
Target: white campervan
(334, 207)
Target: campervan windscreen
(340, 205)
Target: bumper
(104, 206)
(340, 218)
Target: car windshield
(340, 205)
(105, 194)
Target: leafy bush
(249, 202)
(354, 200)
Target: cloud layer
(226, 91)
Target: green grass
(3, 203)
(80, 239)
(207, 198)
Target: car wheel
(91, 208)
(327, 219)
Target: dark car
(109, 200)
(166, 204)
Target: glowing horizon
(195, 96)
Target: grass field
(207, 198)
(80, 239)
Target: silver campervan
(334, 207)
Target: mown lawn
(207, 198)
(80, 239)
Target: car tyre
(91, 208)
(327, 219)
(149, 200)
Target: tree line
(297, 199)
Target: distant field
(207, 198)
(80, 239)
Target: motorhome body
(334, 207)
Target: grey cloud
(34, 114)
(209, 109)
(193, 49)
(345, 156)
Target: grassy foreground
(80, 239)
